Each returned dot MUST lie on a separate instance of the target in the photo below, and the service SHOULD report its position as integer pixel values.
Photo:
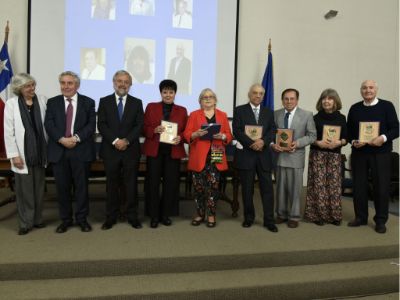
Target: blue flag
(268, 84)
(6, 72)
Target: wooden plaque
(253, 132)
(368, 131)
(284, 137)
(331, 133)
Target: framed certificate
(253, 132)
(368, 131)
(170, 132)
(284, 137)
(331, 133)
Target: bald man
(373, 158)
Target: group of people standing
(61, 130)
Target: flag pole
(7, 31)
(269, 46)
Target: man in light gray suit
(290, 164)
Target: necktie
(256, 114)
(120, 108)
(286, 120)
(68, 117)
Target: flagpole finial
(269, 46)
(7, 30)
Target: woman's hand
(219, 136)
(198, 133)
(159, 129)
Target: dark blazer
(84, 127)
(110, 127)
(246, 158)
(152, 119)
(182, 74)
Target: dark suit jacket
(84, 127)
(182, 74)
(246, 158)
(110, 127)
(152, 119)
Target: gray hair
(19, 81)
(122, 72)
(72, 74)
(207, 90)
(253, 86)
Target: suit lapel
(252, 117)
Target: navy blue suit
(71, 166)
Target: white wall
(310, 53)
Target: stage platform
(187, 262)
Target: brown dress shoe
(292, 224)
(280, 220)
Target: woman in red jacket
(207, 154)
(163, 159)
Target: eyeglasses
(207, 97)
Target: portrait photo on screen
(103, 9)
(141, 7)
(179, 55)
(139, 59)
(93, 62)
(182, 17)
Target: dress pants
(70, 172)
(289, 182)
(167, 168)
(29, 190)
(378, 165)
(266, 193)
(125, 169)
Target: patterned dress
(324, 185)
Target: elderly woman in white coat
(25, 141)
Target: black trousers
(378, 167)
(167, 168)
(71, 172)
(118, 171)
(266, 192)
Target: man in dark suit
(70, 123)
(120, 122)
(253, 155)
(180, 70)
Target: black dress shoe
(85, 226)
(136, 224)
(247, 223)
(154, 223)
(356, 223)
(63, 227)
(319, 223)
(380, 228)
(40, 225)
(166, 221)
(336, 223)
(23, 231)
(108, 224)
(271, 227)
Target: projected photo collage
(151, 39)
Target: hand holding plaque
(253, 132)
(331, 133)
(368, 131)
(170, 132)
(284, 138)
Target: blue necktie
(286, 120)
(120, 108)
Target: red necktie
(68, 117)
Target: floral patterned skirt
(206, 189)
(324, 187)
